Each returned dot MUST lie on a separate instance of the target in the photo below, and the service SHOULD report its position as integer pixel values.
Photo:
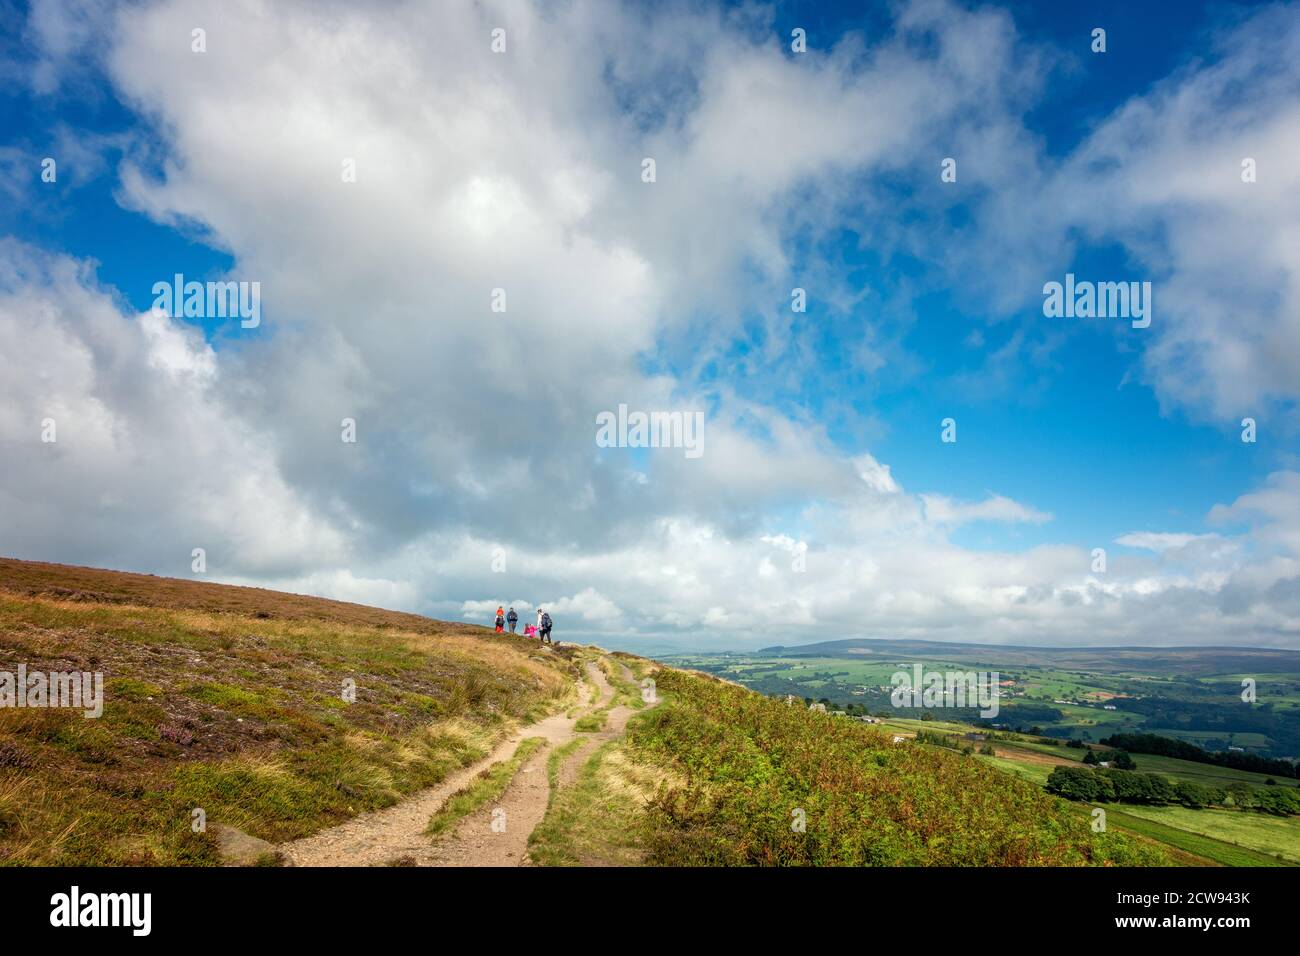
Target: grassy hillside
(230, 700)
(752, 766)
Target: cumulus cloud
(120, 446)
(475, 473)
(1272, 513)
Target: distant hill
(1153, 660)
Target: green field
(1228, 837)
(1205, 773)
(1260, 832)
(1171, 767)
(905, 725)
(804, 671)
(1033, 772)
(1052, 750)
(1216, 851)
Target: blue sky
(778, 169)
(1091, 444)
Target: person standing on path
(513, 618)
(501, 619)
(545, 632)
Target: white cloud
(589, 605)
(149, 459)
(940, 509)
(476, 429)
(1160, 540)
(875, 475)
(66, 37)
(1272, 513)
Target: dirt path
(523, 805)
(397, 833)
(614, 727)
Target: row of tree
(1168, 747)
(1127, 786)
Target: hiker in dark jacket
(501, 619)
(546, 628)
(513, 618)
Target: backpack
(546, 621)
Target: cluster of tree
(1119, 759)
(1168, 747)
(1117, 786)
(1127, 786)
(1280, 801)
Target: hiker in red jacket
(501, 619)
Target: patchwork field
(1185, 694)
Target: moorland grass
(230, 701)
